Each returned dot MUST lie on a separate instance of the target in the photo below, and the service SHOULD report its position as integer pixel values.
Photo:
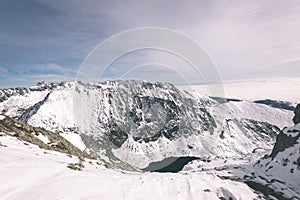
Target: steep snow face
(17, 104)
(17, 101)
(141, 122)
(56, 113)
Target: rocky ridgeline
(40, 86)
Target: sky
(49, 39)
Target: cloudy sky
(49, 39)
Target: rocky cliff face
(288, 137)
(285, 139)
(149, 111)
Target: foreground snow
(32, 173)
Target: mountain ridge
(137, 121)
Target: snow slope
(44, 175)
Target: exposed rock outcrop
(296, 118)
(284, 141)
(288, 137)
(51, 140)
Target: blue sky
(49, 39)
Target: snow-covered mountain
(140, 122)
(128, 125)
